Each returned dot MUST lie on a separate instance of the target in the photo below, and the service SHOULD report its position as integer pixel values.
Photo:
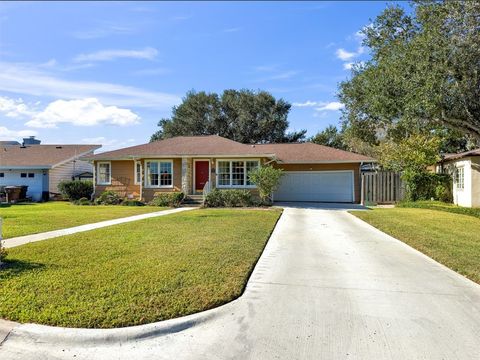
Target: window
(23, 175)
(138, 172)
(2, 174)
(31, 175)
(159, 174)
(460, 178)
(234, 173)
(104, 173)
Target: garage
(321, 186)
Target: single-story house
(192, 163)
(42, 167)
(465, 170)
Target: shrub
(132, 203)
(267, 179)
(108, 197)
(426, 186)
(76, 189)
(229, 198)
(83, 201)
(3, 253)
(171, 199)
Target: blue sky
(80, 72)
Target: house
(192, 163)
(465, 170)
(42, 167)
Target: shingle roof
(310, 153)
(209, 145)
(41, 156)
(475, 152)
(213, 145)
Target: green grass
(451, 239)
(136, 273)
(32, 218)
(441, 206)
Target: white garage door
(328, 186)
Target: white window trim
(457, 178)
(136, 182)
(109, 173)
(231, 175)
(146, 185)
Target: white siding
(35, 184)
(475, 165)
(470, 194)
(66, 172)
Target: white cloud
(31, 80)
(83, 112)
(308, 103)
(147, 53)
(7, 134)
(107, 144)
(14, 108)
(230, 30)
(348, 66)
(345, 55)
(103, 31)
(331, 106)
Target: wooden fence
(382, 187)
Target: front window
(235, 173)
(460, 178)
(159, 173)
(104, 173)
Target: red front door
(201, 174)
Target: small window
(2, 174)
(31, 175)
(460, 178)
(104, 173)
(23, 175)
(138, 172)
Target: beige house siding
(123, 176)
(355, 167)
(469, 196)
(475, 163)
(66, 172)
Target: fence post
(362, 190)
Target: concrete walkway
(328, 286)
(21, 240)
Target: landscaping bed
(135, 273)
(33, 218)
(449, 238)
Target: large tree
(241, 115)
(330, 136)
(422, 77)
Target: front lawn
(451, 239)
(33, 218)
(441, 206)
(135, 273)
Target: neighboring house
(191, 163)
(42, 167)
(465, 170)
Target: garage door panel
(328, 186)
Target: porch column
(187, 175)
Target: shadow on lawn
(13, 267)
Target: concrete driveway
(328, 286)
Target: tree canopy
(422, 77)
(330, 136)
(242, 115)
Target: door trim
(328, 171)
(193, 172)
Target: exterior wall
(462, 197)
(148, 193)
(35, 184)
(475, 165)
(355, 167)
(66, 172)
(123, 179)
